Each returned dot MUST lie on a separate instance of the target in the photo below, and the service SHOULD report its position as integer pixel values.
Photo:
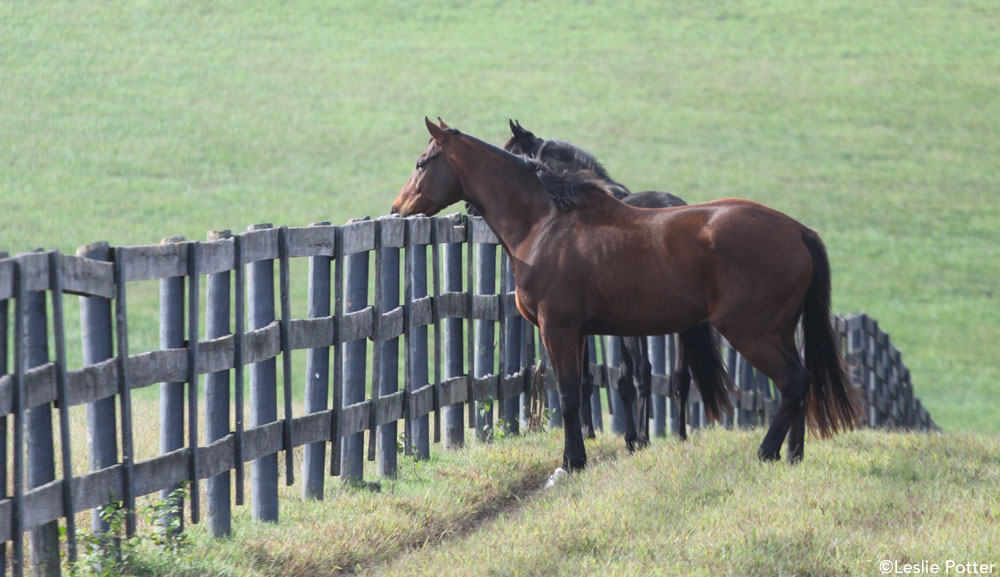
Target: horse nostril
(394, 210)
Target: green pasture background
(875, 123)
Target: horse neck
(508, 195)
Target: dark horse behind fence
(698, 353)
(585, 263)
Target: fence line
(338, 413)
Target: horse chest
(528, 309)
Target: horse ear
(517, 130)
(438, 133)
(442, 123)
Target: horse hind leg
(586, 407)
(796, 438)
(778, 359)
(645, 379)
(638, 370)
(680, 388)
(626, 389)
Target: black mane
(569, 190)
(562, 157)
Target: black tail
(701, 354)
(832, 404)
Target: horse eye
(421, 163)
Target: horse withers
(585, 263)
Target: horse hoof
(631, 445)
(766, 456)
(794, 458)
(588, 432)
(574, 466)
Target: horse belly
(650, 304)
(638, 322)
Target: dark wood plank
(453, 391)
(355, 418)
(357, 325)
(312, 333)
(357, 236)
(259, 243)
(481, 232)
(452, 305)
(419, 230)
(391, 324)
(421, 312)
(315, 240)
(392, 231)
(485, 307)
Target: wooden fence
(478, 335)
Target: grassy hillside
(705, 507)
(876, 124)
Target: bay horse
(697, 350)
(750, 270)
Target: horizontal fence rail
(483, 330)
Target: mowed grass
(876, 124)
(705, 507)
(354, 527)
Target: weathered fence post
(747, 384)
(618, 408)
(4, 329)
(41, 453)
(193, 324)
(658, 362)
(172, 394)
(512, 350)
(454, 418)
(239, 302)
(62, 402)
(596, 409)
(95, 335)
(486, 259)
(527, 360)
(673, 402)
(124, 383)
(354, 353)
(285, 326)
(416, 342)
(387, 350)
(551, 394)
(263, 387)
(217, 396)
(317, 374)
(20, 360)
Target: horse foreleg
(565, 349)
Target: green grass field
(705, 507)
(876, 124)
